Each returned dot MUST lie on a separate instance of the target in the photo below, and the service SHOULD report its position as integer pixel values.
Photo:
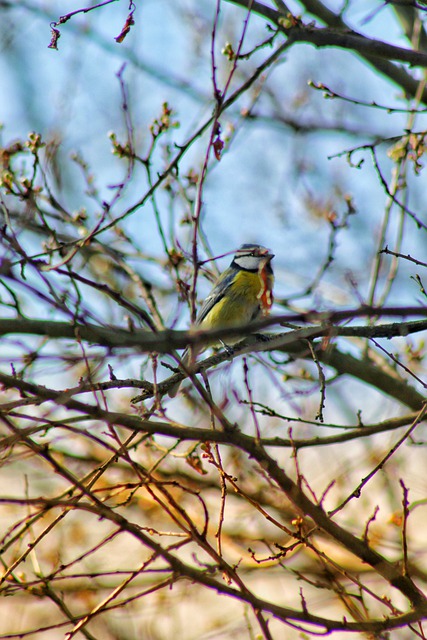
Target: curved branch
(377, 53)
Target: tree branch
(291, 342)
(168, 339)
(377, 53)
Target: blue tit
(242, 293)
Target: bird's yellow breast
(240, 303)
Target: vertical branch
(398, 180)
(250, 398)
(322, 381)
(405, 505)
(200, 183)
(221, 471)
(214, 142)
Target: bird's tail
(186, 358)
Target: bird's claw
(228, 350)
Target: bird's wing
(217, 293)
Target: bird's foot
(228, 350)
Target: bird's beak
(267, 254)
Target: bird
(242, 293)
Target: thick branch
(166, 340)
(377, 53)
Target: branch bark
(168, 339)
